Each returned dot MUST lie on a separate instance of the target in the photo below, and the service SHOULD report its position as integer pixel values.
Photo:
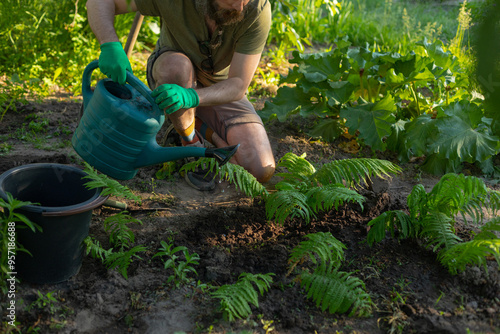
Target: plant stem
(361, 84)
(414, 92)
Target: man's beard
(222, 17)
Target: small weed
(46, 302)
(5, 148)
(180, 268)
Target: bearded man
(200, 70)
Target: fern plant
(109, 186)
(235, 299)
(320, 247)
(119, 260)
(337, 291)
(305, 191)
(234, 174)
(431, 218)
(120, 235)
(330, 288)
(94, 248)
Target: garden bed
(229, 231)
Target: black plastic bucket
(64, 214)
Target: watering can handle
(143, 89)
(131, 79)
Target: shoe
(202, 180)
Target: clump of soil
(412, 292)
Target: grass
(48, 44)
(396, 26)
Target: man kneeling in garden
(200, 70)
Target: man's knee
(175, 68)
(263, 173)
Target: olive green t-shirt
(183, 28)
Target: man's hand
(114, 62)
(173, 97)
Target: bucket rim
(94, 201)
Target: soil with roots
(412, 292)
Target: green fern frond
(488, 230)
(94, 248)
(122, 260)
(321, 245)
(120, 235)
(417, 202)
(235, 298)
(299, 169)
(473, 252)
(234, 174)
(388, 221)
(109, 186)
(458, 193)
(287, 203)
(437, 228)
(332, 195)
(354, 172)
(494, 200)
(337, 291)
(245, 181)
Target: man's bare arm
(101, 17)
(241, 72)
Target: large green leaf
(340, 93)
(286, 102)
(328, 129)
(463, 136)
(318, 66)
(420, 133)
(436, 52)
(396, 142)
(372, 121)
(459, 140)
(436, 164)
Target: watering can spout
(222, 154)
(154, 154)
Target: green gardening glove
(171, 97)
(114, 62)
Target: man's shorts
(221, 117)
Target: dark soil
(412, 292)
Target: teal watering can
(117, 131)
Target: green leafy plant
(121, 260)
(235, 299)
(10, 221)
(305, 191)
(337, 291)
(331, 289)
(407, 103)
(431, 218)
(235, 174)
(320, 248)
(94, 248)
(48, 301)
(109, 186)
(120, 234)
(181, 269)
